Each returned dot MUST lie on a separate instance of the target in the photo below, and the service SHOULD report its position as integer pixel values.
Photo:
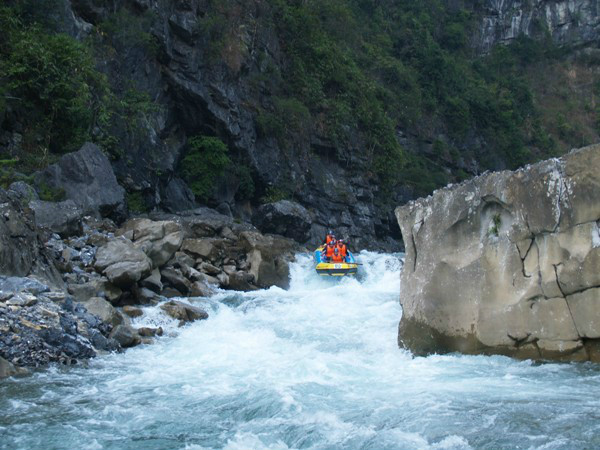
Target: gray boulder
(122, 263)
(285, 218)
(87, 179)
(125, 335)
(507, 263)
(63, 218)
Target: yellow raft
(349, 267)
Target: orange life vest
(329, 238)
(337, 257)
(329, 250)
(343, 249)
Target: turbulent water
(314, 367)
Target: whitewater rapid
(313, 367)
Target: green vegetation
(495, 226)
(206, 161)
(135, 202)
(275, 194)
(50, 193)
(404, 65)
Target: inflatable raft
(349, 267)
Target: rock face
(122, 263)
(87, 178)
(569, 22)
(63, 218)
(289, 219)
(21, 250)
(507, 263)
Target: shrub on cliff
(206, 160)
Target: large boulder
(122, 263)
(507, 263)
(63, 218)
(103, 310)
(158, 239)
(269, 257)
(285, 218)
(87, 178)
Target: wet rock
(87, 178)
(183, 311)
(241, 281)
(150, 332)
(506, 262)
(170, 292)
(63, 218)
(145, 296)
(286, 218)
(132, 311)
(125, 335)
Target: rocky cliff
(572, 23)
(507, 263)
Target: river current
(313, 367)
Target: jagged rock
(175, 278)
(269, 257)
(506, 261)
(285, 218)
(103, 310)
(22, 284)
(63, 218)
(159, 240)
(25, 192)
(87, 178)
(183, 311)
(125, 335)
(153, 281)
(122, 263)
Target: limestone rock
(269, 257)
(159, 239)
(122, 263)
(506, 261)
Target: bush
(205, 161)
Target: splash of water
(314, 367)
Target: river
(313, 367)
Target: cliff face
(507, 263)
(572, 22)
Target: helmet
(330, 232)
